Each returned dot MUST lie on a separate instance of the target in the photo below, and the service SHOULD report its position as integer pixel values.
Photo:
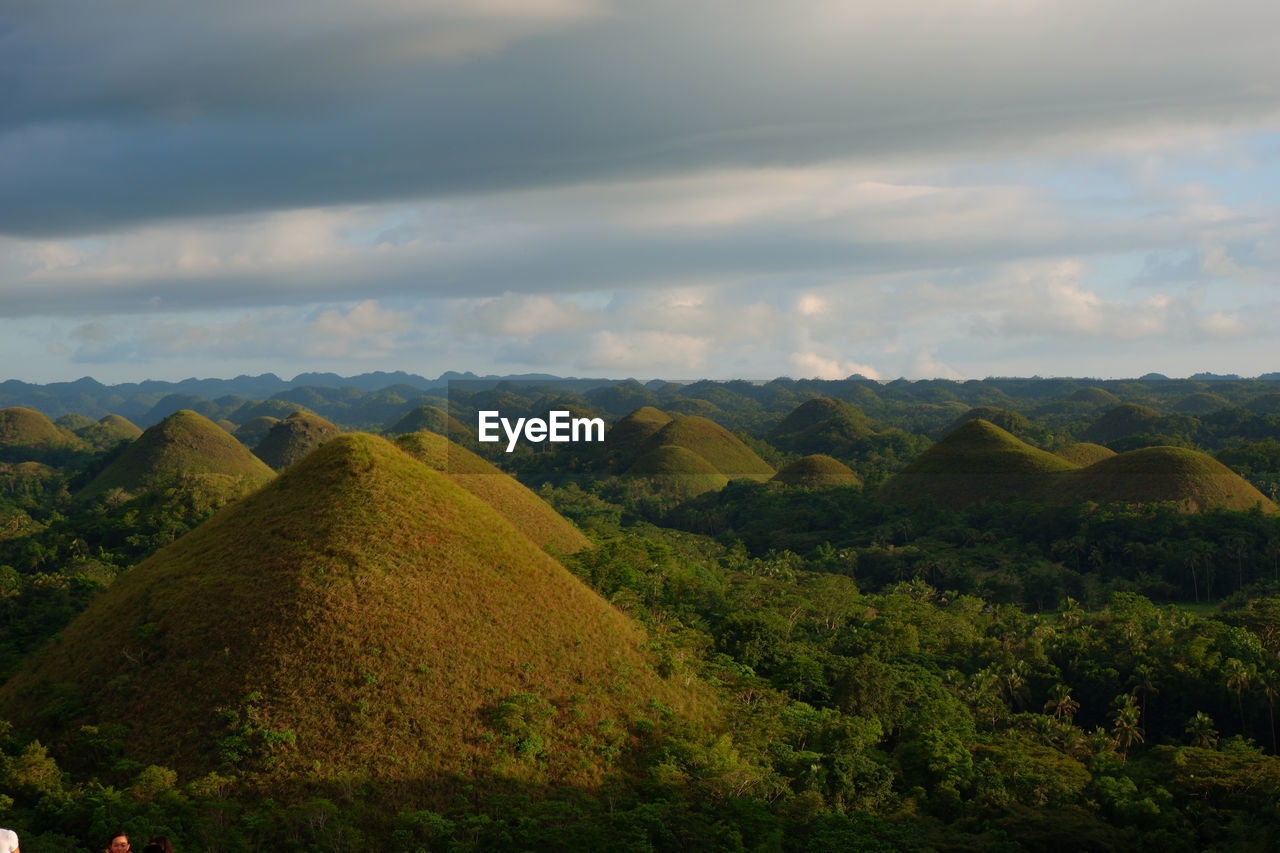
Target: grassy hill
(625, 438)
(28, 435)
(253, 431)
(817, 471)
(1122, 421)
(1010, 422)
(1201, 403)
(1084, 453)
(109, 431)
(821, 425)
(1094, 396)
(529, 513)
(293, 438)
(977, 462)
(677, 471)
(184, 447)
(725, 451)
(1190, 478)
(431, 419)
(360, 617)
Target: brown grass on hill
(724, 450)
(1084, 453)
(293, 438)
(516, 502)
(183, 445)
(677, 471)
(361, 616)
(26, 434)
(817, 471)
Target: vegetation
(289, 440)
(999, 642)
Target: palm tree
(1271, 689)
(1238, 678)
(1126, 730)
(1144, 682)
(1200, 728)
(1061, 703)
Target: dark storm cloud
(122, 112)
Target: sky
(649, 188)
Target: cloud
(812, 365)
(131, 112)
(646, 351)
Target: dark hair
(152, 847)
(113, 836)
(161, 843)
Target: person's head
(118, 842)
(162, 844)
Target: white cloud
(812, 365)
(645, 351)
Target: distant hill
(1201, 403)
(977, 462)
(361, 617)
(981, 463)
(816, 472)
(624, 440)
(431, 419)
(108, 432)
(1010, 422)
(1192, 479)
(1084, 453)
(516, 502)
(293, 438)
(1094, 396)
(821, 425)
(185, 446)
(1124, 420)
(725, 451)
(29, 436)
(252, 431)
(677, 471)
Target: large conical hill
(512, 499)
(361, 616)
(29, 436)
(431, 419)
(724, 450)
(184, 447)
(253, 431)
(1192, 479)
(1122, 421)
(821, 425)
(293, 438)
(1084, 453)
(977, 462)
(817, 471)
(625, 438)
(678, 471)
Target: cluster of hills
(399, 608)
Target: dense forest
(761, 616)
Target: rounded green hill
(817, 471)
(1084, 453)
(431, 419)
(28, 435)
(977, 462)
(821, 425)
(725, 451)
(1201, 403)
(184, 447)
(1093, 396)
(1124, 420)
(109, 431)
(678, 471)
(1192, 479)
(625, 438)
(362, 616)
(293, 438)
(252, 431)
(516, 502)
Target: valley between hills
(759, 616)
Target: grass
(252, 431)
(431, 419)
(360, 615)
(820, 425)
(677, 471)
(1094, 396)
(24, 432)
(516, 502)
(726, 453)
(182, 445)
(1124, 420)
(1190, 478)
(1084, 453)
(625, 438)
(977, 462)
(291, 439)
(817, 471)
